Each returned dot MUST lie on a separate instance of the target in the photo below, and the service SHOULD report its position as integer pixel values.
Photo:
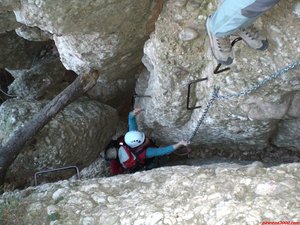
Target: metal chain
(209, 104)
(254, 87)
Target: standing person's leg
(228, 17)
(235, 16)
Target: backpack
(130, 159)
(127, 158)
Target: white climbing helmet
(134, 138)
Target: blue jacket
(150, 152)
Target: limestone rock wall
(9, 4)
(75, 136)
(8, 21)
(106, 35)
(109, 36)
(16, 52)
(212, 194)
(33, 33)
(44, 80)
(178, 52)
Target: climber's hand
(137, 111)
(184, 143)
(180, 144)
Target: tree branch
(10, 150)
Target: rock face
(8, 21)
(33, 33)
(106, 35)
(215, 194)
(109, 35)
(114, 93)
(178, 53)
(9, 4)
(46, 79)
(16, 52)
(75, 136)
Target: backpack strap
(139, 164)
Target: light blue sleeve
(153, 152)
(228, 17)
(232, 15)
(132, 125)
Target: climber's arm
(153, 152)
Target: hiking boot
(220, 47)
(253, 38)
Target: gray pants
(234, 14)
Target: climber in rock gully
(134, 151)
(236, 18)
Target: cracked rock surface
(208, 194)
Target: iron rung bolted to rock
(189, 94)
(55, 170)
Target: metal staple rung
(189, 94)
(55, 170)
(137, 96)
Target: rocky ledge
(209, 194)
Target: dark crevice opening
(5, 80)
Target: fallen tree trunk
(14, 145)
